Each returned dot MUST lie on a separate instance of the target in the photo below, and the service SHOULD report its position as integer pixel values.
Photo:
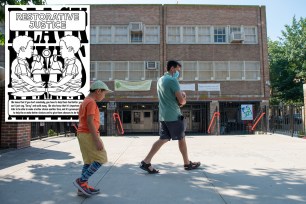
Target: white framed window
(174, 34)
(136, 70)
(121, 34)
(250, 33)
(104, 71)
(235, 29)
(206, 71)
(120, 70)
(221, 70)
(236, 70)
(105, 34)
(252, 70)
(189, 34)
(151, 34)
(220, 34)
(152, 74)
(204, 34)
(123, 70)
(136, 36)
(93, 34)
(93, 70)
(189, 71)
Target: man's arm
(181, 97)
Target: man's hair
(21, 41)
(72, 41)
(173, 63)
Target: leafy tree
(14, 2)
(287, 64)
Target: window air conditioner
(136, 26)
(237, 37)
(151, 65)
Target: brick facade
(164, 15)
(13, 135)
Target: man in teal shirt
(172, 122)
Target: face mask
(176, 74)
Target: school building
(222, 49)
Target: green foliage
(14, 2)
(287, 64)
(51, 133)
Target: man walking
(171, 120)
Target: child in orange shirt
(91, 145)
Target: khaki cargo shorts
(89, 150)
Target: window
(126, 117)
(147, 114)
(221, 71)
(204, 34)
(151, 34)
(136, 70)
(152, 74)
(250, 35)
(236, 70)
(206, 71)
(174, 34)
(104, 71)
(93, 34)
(105, 34)
(189, 34)
(136, 36)
(252, 70)
(189, 70)
(93, 70)
(219, 35)
(123, 70)
(120, 34)
(120, 70)
(235, 29)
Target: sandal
(192, 165)
(145, 166)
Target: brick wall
(12, 135)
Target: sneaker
(92, 190)
(82, 186)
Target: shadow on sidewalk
(127, 184)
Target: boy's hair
(173, 63)
(72, 41)
(21, 41)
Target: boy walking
(91, 145)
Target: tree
(14, 2)
(287, 64)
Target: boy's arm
(93, 131)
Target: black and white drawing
(47, 62)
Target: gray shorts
(174, 130)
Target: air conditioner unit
(136, 26)
(152, 65)
(237, 37)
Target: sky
(279, 12)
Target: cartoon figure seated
(71, 80)
(21, 72)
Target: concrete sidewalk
(235, 169)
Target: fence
(44, 129)
(288, 120)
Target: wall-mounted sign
(246, 112)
